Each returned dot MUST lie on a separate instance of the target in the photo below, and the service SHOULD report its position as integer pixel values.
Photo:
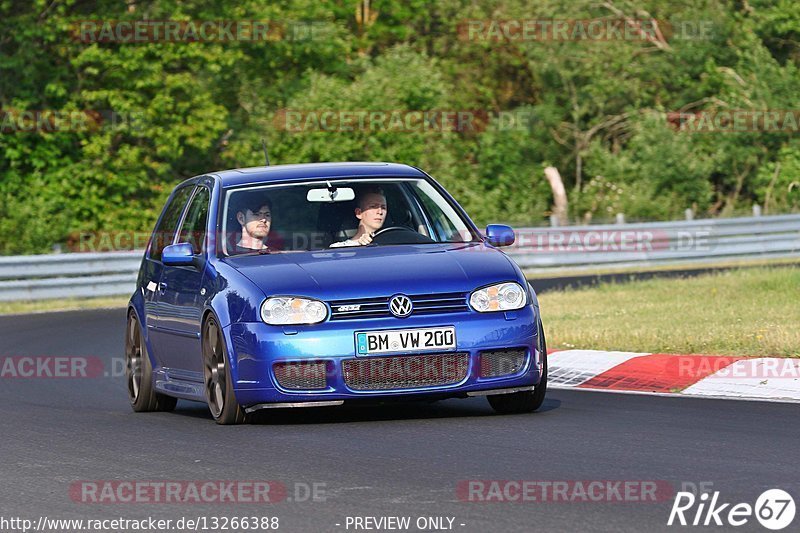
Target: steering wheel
(394, 235)
(390, 228)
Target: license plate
(406, 340)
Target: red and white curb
(764, 378)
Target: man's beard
(259, 232)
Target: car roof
(248, 176)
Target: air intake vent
(405, 372)
(498, 363)
(300, 375)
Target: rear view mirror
(332, 194)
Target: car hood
(375, 271)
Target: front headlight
(500, 297)
(286, 310)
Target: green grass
(754, 311)
(40, 306)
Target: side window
(165, 231)
(194, 225)
(441, 224)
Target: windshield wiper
(263, 251)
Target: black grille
(496, 363)
(300, 375)
(424, 304)
(405, 372)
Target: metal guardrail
(536, 250)
(78, 275)
(656, 243)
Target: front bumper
(256, 347)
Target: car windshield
(319, 215)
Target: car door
(181, 301)
(163, 236)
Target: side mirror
(180, 254)
(500, 235)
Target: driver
(371, 214)
(254, 215)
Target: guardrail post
(620, 218)
(689, 213)
(554, 221)
(756, 210)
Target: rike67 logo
(774, 509)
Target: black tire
(217, 377)
(525, 401)
(139, 373)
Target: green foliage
(658, 175)
(777, 183)
(161, 112)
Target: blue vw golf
(319, 284)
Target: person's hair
(366, 190)
(252, 201)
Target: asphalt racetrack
(409, 460)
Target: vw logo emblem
(400, 306)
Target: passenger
(371, 214)
(254, 215)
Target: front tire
(217, 377)
(525, 401)
(139, 373)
